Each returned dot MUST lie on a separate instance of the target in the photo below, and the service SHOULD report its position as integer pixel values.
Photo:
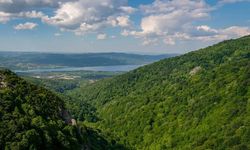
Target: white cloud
(150, 41)
(101, 37)
(169, 41)
(30, 14)
(170, 21)
(235, 31)
(87, 28)
(163, 21)
(222, 34)
(123, 21)
(128, 9)
(166, 6)
(231, 1)
(78, 16)
(221, 3)
(167, 20)
(4, 17)
(125, 33)
(119, 21)
(26, 26)
(6, 1)
(58, 34)
(202, 30)
(85, 16)
(16, 6)
(206, 28)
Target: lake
(118, 68)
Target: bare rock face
(195, 70)
(68, 119)
(73, 122)
(2, 83)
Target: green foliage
(32, 118)
(200, 100)
(63, 88)
(196, 101)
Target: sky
(130, 26)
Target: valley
(124, 75)
(199, 100)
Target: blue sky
(131, 26)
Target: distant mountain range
(28, 60)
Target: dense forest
(199, 100)
(32, 117)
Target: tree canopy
(199, 100)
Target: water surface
(118, 68)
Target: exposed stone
(68, 119)
(195, 70)
(2, 83)
(73, 122)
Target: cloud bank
(26, 26)
(170, 21)
(162, 21)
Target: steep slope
(34, 118)
(31, 117)
(200, 100)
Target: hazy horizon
(96, 52)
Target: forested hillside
(32, 117)
(200, 100)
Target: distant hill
(200, 100)
(32, 117)
(19, 60)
